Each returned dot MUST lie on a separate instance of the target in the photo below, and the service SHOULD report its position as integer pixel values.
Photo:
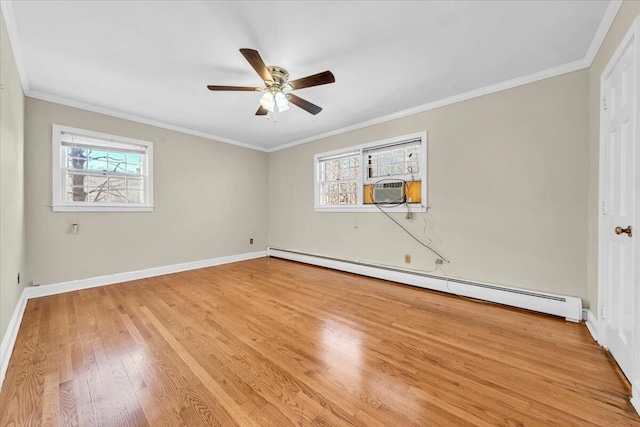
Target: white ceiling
(153, 60)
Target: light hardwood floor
(269, 342)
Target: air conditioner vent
(388, 192)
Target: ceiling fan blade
(257, 63)
(235, 88)
(316, 80)
(304, 104)
(262, 111)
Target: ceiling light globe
(281, 100)
(267, 101)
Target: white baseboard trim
(75, 285)
(591, 322)
(9, 339)
(564, 306)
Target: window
(340, 180)
(99, 172)
(345, 179)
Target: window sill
(415, 207)
(67, 208)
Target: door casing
(631, 36)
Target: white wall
(209, 197)
(507, 190)
(12, 239)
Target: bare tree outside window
(78, 161)
(98, 172)
(98, 175)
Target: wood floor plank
(269, 342)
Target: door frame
(632, 35)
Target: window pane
(398, 155)
(97, 154)
(77, 152)
(97, 194)
(117, 167)
(77, 163)
(338, 178)
(97, 165)
(76, 194)
(116, 157)
(116, 197)
(134, 196)
(132, 168)
(117, 183)
(75, 179)
(95, 181)
(134, 159)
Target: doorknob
(628, 230)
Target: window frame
(59, 200)
(361, 206)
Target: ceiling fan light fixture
(276, 80)
(281, 101)
(268, 102)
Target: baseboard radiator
(559, 305)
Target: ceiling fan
(277, 86)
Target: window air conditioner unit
(388, 192)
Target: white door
(619, 232)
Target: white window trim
(361, 207)
(58, 179)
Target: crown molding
(7, 12)
(598, 38)
(114, 113)
(603, 29)
(601, 32)
(509, 84)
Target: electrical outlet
(407, 258)
(251, 241)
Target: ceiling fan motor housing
(280, 76)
